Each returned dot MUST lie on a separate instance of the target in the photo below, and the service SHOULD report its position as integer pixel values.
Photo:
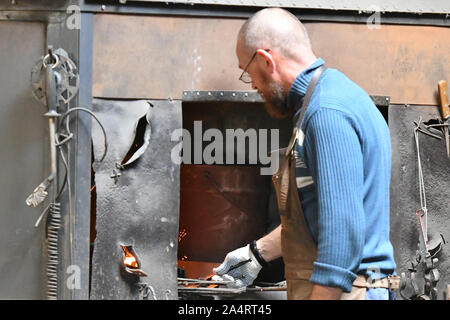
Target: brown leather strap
(284, 184)
(390, 282)
(309, 91)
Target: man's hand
(239, 266)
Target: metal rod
(52, 134)
(187, 281)
(263, 289)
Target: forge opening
(226, 206)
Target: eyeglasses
(245, 77)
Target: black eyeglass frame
(246, 67)
(248, 64)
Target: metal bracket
(222, 96)
(249, 96)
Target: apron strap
(309, 91)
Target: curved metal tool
(67, 78)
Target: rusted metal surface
(403, 62)
(160, 57)
(324, 14)
(221, 209)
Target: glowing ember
(129, 260)
(181, 235)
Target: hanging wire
(423, 199)
(61, 140)
(70, 135)
(66, 137)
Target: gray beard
(276, 105)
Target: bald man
(333, 182)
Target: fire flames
(129, 260)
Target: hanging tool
(427, 132)
(54, 83)
(445, 113)
(51, 114)
(428, 248)
(423, 246)
(431, 273)
(422, 195)
(54, 221)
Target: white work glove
(242, 276)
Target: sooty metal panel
(24, 158)
(405, 200)
(139, 204)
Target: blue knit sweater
(343, 164)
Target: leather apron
(298, 248)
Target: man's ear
(268, 59)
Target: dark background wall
(24, 161)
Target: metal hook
(54, 65)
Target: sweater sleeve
(334, 156)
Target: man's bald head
(275, 29)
